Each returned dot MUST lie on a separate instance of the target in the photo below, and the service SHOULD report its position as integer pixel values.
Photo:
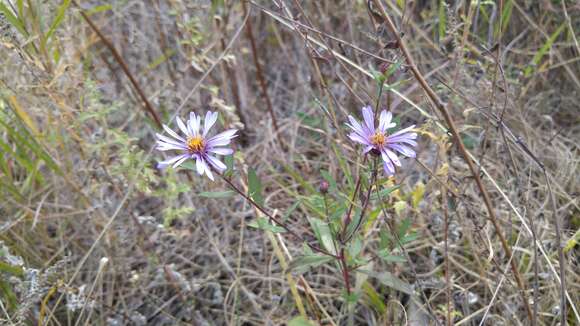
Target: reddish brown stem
(345, 273)
(260, 74)
(451, 124)
(148, 107)
(347, 218)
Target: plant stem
(273, 219)
(454, 131)
(365, 204)
(345, 272)
(146, 104)
(347, 218)
(260, 74)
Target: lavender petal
(182, 127)
(357, 138)
(173, 133)
(217, 164)
(402, 131)
(389, 168)
(407, 151)
(368, 116)
(166, 163)
(220, 151)
(210, 119)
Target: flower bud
(323, 187)
(384, 67)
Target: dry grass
(92, 233)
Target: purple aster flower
(196, 144)
(379, 141)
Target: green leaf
(442, 20)
(391, 281)
(350, 298)
(12, 19)
(409, 238)
(229, 162)
(57, 20)
(11, 269)
(8, 294)
(264, 224)
(374, 298)
(469, 141)
(255, 187)
(356, 216)
(393, 67)
(385, 255)
(547, 46)
(217, 194)
(405, 233)
(373, 215)
(25, 139)
(355, 247)
(98, 9)
(302, 264)
(299, 321)
(384, 239)
(323, 234)
(384, 193)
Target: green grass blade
(57, 21)
(543, 50)
(12, 19)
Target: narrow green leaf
(217, 194)
(385, 255)
(8, 295)
(264, 224)
(229, 162)
(374, 298)
(323, 234)
(351, 298)
(98, 9)
(382, 195)
(57, 20)
(255, 187)
(355, 247)
(505, 17)
(391, 281)
(12, 19)
(26, 139)
(404, 227)
(299, 321)
(302, 264)
(442, 20)
(20, 6)
(543, 50)
(11, 269)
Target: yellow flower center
(195, 144)
(378, 139)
